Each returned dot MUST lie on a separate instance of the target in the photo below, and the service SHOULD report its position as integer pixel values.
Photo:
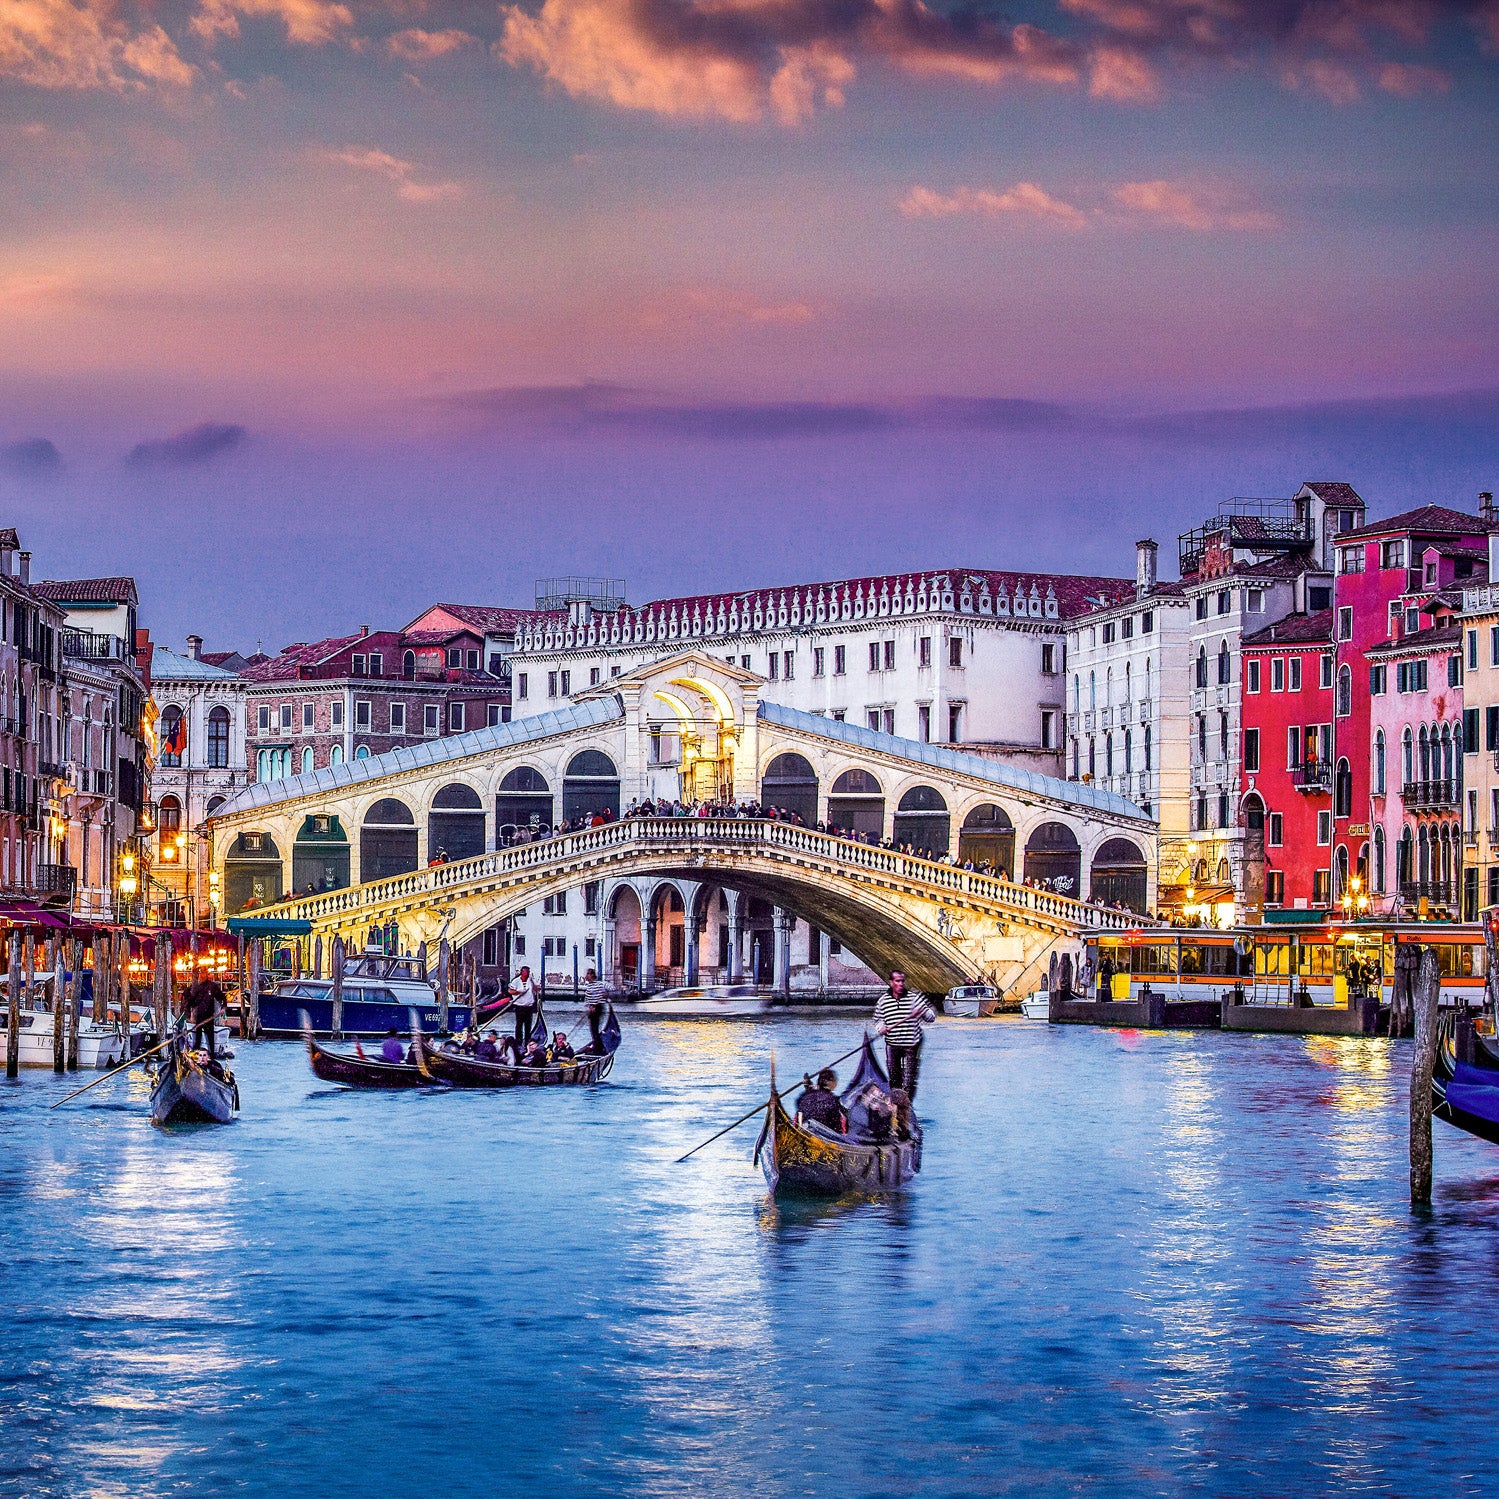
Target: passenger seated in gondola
(535, 1054)
(561, 1049)
(486, 1050)
(879, 1113)
(819, 1103)
(391, 1049)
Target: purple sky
(311, 313)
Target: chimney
(363, 631)
(195, 647)
(1146, 553)
(1486, 506)
(25, 560)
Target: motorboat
(703, 1001)
(380, 991)
(1038, 1006)
(972, 1001)
(100, 1046)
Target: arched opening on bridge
(1053, 858)
(590, 786)
(622, 966)
(1118, 875)
(790, 784)
(320, 856)
(922, 821)
(524, 800)
(455, 825)
(252, 873)
(988, 837)
(387, 841)
(856, 804)
(670, 916)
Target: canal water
(1134, 1264)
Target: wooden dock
(1156, 1011)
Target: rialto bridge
(354, 846)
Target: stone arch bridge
(357, 840)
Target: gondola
(192, 1088)
(805, 1158)
(592, 1064)
(355, 1071)
(1465, 1094)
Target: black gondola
(192, 1088)
(591, 1065)
(1466, 1094)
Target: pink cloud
(1124, 75)
(1201, 210)
(1024, 199)
(395, 170)
(309, 22)
(415, 45)
(58, 44)
(1410, 80)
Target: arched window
(922, 820)
(1342, 792)
(856, 803)
(408, 665)
(1225, 664)
(1446, 752)
(1378, 872)
(1202, 666)
(1118, 875)
(1077, 693)
(218, 738)
(169, 823)
(524, 800)
(988, 837)
(1076, 758)
(307, 760)
(171, 736)
(1147, 747)
(1407, 766)
(790, 784)
(1126, 683)
(262, 765)
(1129, 755)
(387, 840)
(1425, 754)
(1147, 679)
(362, 752)
(1108, 687)
(1345, 702)
(1379, 766)
(455, 825)
(1340, 871)
(336, 755)
(1092, 690)
(1108, 754)
(1092, 756)
(590, 786)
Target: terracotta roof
(491, 619)
(1286, 565)
(1437, 638)
(88, 590)
(1294, 629)
(290, 662)
(1334, 492)
(430, 637)
(1424, 520)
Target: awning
(269, 926)
(28, 913)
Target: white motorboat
(1038, 1006)
(972, 1001)
(100, 1047)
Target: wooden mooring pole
(249, 1010)
(444, 984)
(13, 1011)
(337, 959)
(1428, 991)
(75, 1001)
(59, 1008)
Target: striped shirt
(902, 1027)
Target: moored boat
(805, 1158)
(379, 991)
(100, 1046)
(591, 1065)
(192, 1088)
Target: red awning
(28, 913)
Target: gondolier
(899, 1019)
(523, 1000)
(200, 1006)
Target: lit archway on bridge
(923, 822)
(669, 928)
(320, 856)
(790, 784)
(524, 800)
(1053, 858)
(622, 966)
(1118, 875)
(590, 786)
(455, 825)
(988, 837)
(252, 873)
(856, 803)
(387, 840)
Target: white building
(968, 657)
(200, 763)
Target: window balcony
(89, 645)
(1314, 777)
(56, 880)
(1430, 795)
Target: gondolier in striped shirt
(899, 1017)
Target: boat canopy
(269, 926)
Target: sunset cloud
(1202, 211)
(402, 173)
(57, 44)
(1025, 199)
(308, 22)
(415, 45)
(197, 445)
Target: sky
(313, 313)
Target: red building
(1287, 776)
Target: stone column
(822, 960)
(648, 955)
(608, 959)
(690, 963)
(784, 923)
(735, 973)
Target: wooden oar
(105, 1077)
(760, 1108)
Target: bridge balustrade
(720, 834)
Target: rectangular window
(1494, 807)
(1325, 670)
(522, 684)
(1324, 829)
(554, 905)
(889, 724)
(889, 655)
(1202, 613)
(357, 666)
(398, 718)
(1345, 624)
(307, 718)
(456, 718)
(455, 656)
(955, 651)
(1472, 640)
(377, 664)
(1108, 633)
(1454, 670)
(1275, 887)
(1392, 554)
(286, 717)
(924, 722)
(1251, 676)
(874, 655)
(839, 715)
(819, 658)
(565, 678)
(1147, 622)
(494, 714)
(473, 660)
(1494, 645)
(1491, 728)
(1225, 600)
(1378, 676)
(431, 718)
(1293, 746)
(361, 714)
(1350, 559)
(788, 665)
(1470, 731)
(551, 684)
(1251, 749)
(838, 660)
(775, 666)
(595, 675)
(1254, 600)
(1295, 677)
(1276, 829)
(337, 715)
(591, 897)
(1050, 739)
(924, 651)
(1412, 621)
(1127, 628)
(1049, 660)
(263, 720)
(873, 717)
(1278, 674)
(744, 661)
(954, 723)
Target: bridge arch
(1053, 857)
(387, 840)
(590, 785)
(988, 837)
(455, 821)
(790, 783)
(923, 821)
(320, 855)
(1119, 875)
(523, 799)
(253, 872)
(856, 802)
